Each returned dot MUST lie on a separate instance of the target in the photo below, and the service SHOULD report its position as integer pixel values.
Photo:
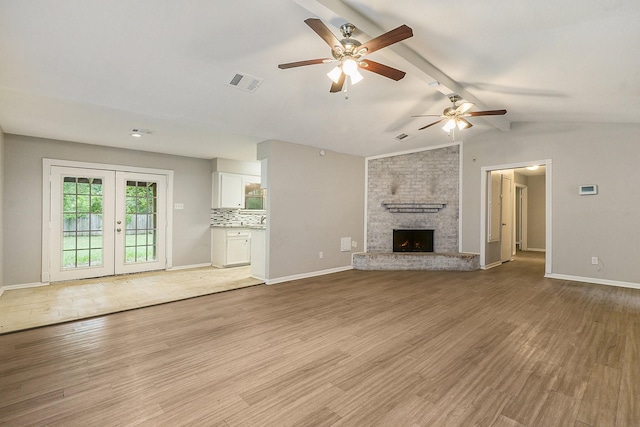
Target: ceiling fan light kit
(454, 116)
(349, 52)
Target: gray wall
(605, 225)
(312, 201)
(23, 199)
(424, 176)
(536, 215)
(2, 169)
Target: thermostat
(585, 190)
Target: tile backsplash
(236, 217)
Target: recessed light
(533, 168)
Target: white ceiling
(91, 70)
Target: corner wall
(312, 201)
(2, 172)
(604, 225)
(23, 199)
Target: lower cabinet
(230, 247)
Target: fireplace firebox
(413, 240)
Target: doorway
(495, 247)
(104, 222)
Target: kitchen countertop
(248, 226)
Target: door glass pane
(140, 242)
(81, 222)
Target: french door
(105, 222)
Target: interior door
(506, 230)
(140, 222)
(105, 222)
(81, 223)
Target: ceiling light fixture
(349, 67)
(533, 168)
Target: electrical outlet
(354, 244)
(321, 254)
(594, 260)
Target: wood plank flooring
(504, 347)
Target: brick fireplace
(414, 191)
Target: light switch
(178, 206)
(345, 244)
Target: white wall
(312, 202)
(2, 169)
(23, 200)
(605, 225)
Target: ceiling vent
(245, 82)
(402, 136)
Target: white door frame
(46, 204)
(548, 269)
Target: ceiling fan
(349, 52)
(455, 115)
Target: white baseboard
(307, 275)
(185, 267)
(534, 250)
(22, 286)
(594, 280)
(493, 264)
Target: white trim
(460, 167)
(185, 267)
(594, 280)
(494, 264)
(534, 250)
(307, 275)
(22, 286)
(47, 163)
(366, 206)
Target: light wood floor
(80, 299)
(501, 348)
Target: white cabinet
(238, 248)
(230, 247)
(229, 190)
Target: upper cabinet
(236, 191)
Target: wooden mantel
(413, 206)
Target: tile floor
(61, 302)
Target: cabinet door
(238, 251)
(231, 191)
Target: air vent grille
(245, 82)
(402, 137)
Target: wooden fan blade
(324, 32)
(388, 38)
(466, 122)
(383, 70)
(463, 108)
(303, 63)
(486, 113)
(337, 87)
(428, 115)
(429, 125)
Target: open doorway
(515, 212)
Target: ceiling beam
(433, 76)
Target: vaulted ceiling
(90, 71)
